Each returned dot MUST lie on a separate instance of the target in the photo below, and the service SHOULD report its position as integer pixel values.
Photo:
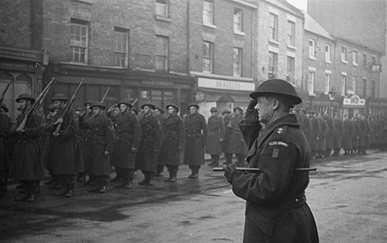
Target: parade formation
(88, 144)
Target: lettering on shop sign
(157, 83)
(225, 85)
(16, 66)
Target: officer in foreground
(276, 208)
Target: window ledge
(355, 64)
(344, 61)
(292, 47)
(237, 32)
(274, 41)
(210, 25)
(329, 62)
(163, 18)
(84, 1)
(312, 58)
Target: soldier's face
(96, 110)
(146, 110)
(22, 104)
(265, 109)
(192, 110)
(171, 110)
(157, 112)
(123, 108)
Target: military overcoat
(237, 143)
(174, 134)
(323, 134)
(216, 132)
(148, 149)
(348, 133)
(195, 139)
(64, 150)
(339, 131)
(275, 196)
(27, 162)
(330, 133)
(128, 134)
(5, 125)
(99, 137)
(316, 133)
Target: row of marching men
(90, 141)
(352, 134)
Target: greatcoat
(330, 133)
(356, 134)
(316, 133)
(174, 134)
(195, 139)
(216, 132)
(64, 150)
(128, 134)
(237, 144)
(225, 144)
(338, 135)
(5, 125)
(27, 162)
(323, 134)
(348, 133)
(98, 138)
(275, 197)
(148, 149)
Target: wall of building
(281, 47)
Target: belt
(294, 201)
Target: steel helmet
(60, 97)
(278, 87)
(25, 96)
(98, 104)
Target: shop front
(222, 94)
(137, 86)
(376, 107)
(25, 67)
(324, 103)
(353, 105)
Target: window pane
(208, 12)
(162, 53)
(238, 20)
(237, 65)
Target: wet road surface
(347, 196)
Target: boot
(194, 173)
(172, 176)
(126, 184)
(70, 191)
(63, 191)
(159, 171)
(23, 195)
(31, 194)
(100, 188)
(147, 180)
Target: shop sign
(157, 83)
(17, 66)
(225, 85)
(354, 101)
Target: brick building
(222, 36)
(280, 43)
(318, 68)
(21, 55)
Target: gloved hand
(252, 104)
(229, 172)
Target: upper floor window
(328, 77)
(162, 52)
(290, 70)
(343, 83)
(344, 54)
(291, 33)
(364, 88)
(364, 59)
(238, 20)
(208, 56)
(373, 59)
(373, 88)
(311, 82)
(162, 7)
(273, 27)
(328, 53)
(354, 58)
(120, 47)
(312, 49)
(79, 40)
(354, 83)
(237, 64)
(273, 60)
(208, 12)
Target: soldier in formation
(216, 134)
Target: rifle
(38, 103)
(6, 88)
(258, 170)
(104, 96)
(66, 109)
